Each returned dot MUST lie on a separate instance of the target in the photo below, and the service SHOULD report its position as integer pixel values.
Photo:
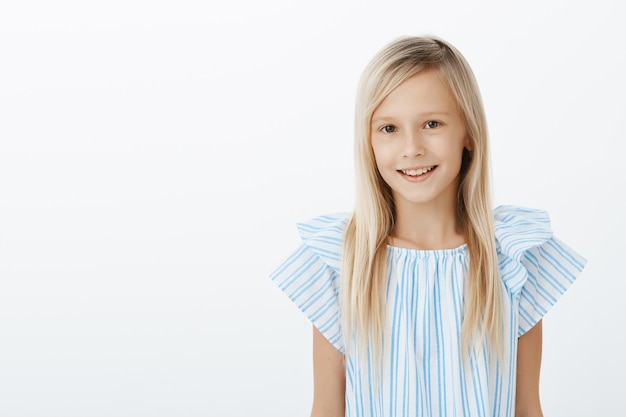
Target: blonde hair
(364, 274)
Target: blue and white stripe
(423, 372)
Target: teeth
(416, 172)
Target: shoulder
(330, 225)
(517, 229)
(324, 235)
(529, 253)
(310, 275)
(535, 266)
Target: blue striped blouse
(423, 373)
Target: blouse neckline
(462, 249)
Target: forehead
(423, 93)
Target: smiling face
(418, 136)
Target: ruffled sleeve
(536, 267)
(310, 276)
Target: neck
(427, 226)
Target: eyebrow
(426, 114)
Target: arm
(528, 366)
(329, 380)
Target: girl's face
(418, 137)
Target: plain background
(155, 156)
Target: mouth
(415, 173)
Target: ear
(468, 144)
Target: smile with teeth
(417, 172)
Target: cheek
(382, 155)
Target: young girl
(424, 300)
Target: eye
(431, 124)
(388, 129)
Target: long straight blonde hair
(364, 274)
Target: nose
(413, 145)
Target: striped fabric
(422, 366)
